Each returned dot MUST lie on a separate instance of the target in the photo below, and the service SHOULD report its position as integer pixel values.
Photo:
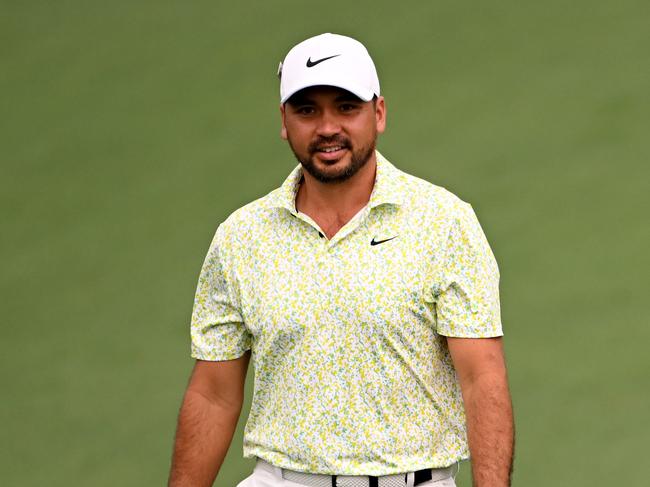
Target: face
(332, 132)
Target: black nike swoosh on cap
(377, 242)
(311, 63)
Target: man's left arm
(481, 369)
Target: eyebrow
(297, 100)
(348, 97)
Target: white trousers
(265, 478)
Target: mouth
(330, 152)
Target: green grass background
(129, 130)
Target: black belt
(304, 478)
(421, 476)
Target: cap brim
(364, 94)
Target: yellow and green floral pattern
(352, 372)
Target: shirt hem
(218, 358)
(361, 471)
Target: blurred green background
(129, 130)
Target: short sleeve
(217, 328)
(467, 304)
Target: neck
(334, 204)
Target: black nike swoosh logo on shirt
(311, 63)
(377, 242)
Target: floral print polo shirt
(352, 374)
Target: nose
(328, 124)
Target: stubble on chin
(358, 160)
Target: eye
(304, 110)
(348, 107)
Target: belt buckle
(354, 481)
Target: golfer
(368, 300)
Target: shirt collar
(387, 188)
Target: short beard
(359, 159)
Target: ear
(380, 114)
(283, 130)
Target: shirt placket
(327, 272)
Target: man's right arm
(207, 421)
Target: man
(369, 300)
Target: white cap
(331, 60)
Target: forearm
(490, 429)
(205, 430)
